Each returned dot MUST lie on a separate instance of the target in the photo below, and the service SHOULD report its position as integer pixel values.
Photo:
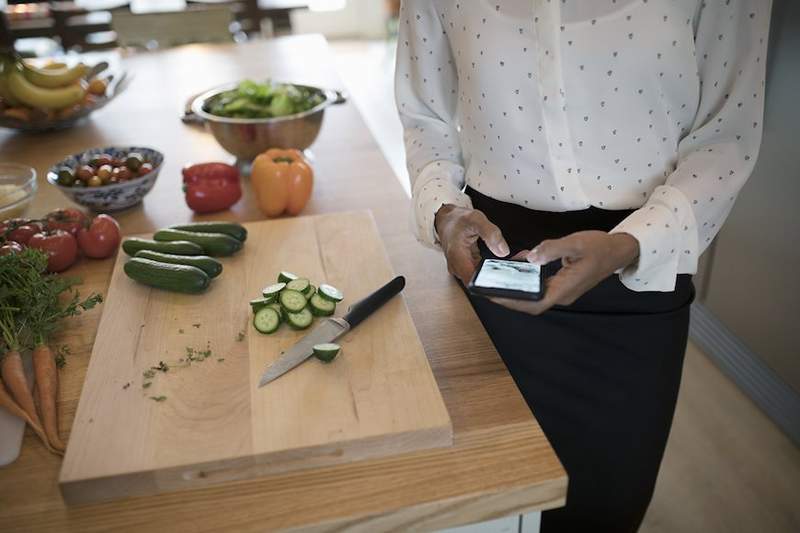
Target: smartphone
(518, 280)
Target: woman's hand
(587, 258)
(459, 230)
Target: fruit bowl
(112, 197)
(17, 189)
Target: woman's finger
(551, 250)
(490, 233)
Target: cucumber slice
(300, 320)
(277, 307)
(292, 301)
(267, 320)
(286, 277)
(309, 292)
(320, 306)
(273, 290)
(299, 284)
(330, 292)
(260, 303)
(326, 352)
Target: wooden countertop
(500, 463)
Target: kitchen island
(500, 463)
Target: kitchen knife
(330, 329)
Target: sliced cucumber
(299, 284)
(309, 292)
(320, 306)
(286, 277)
(326, 352)
(300, 320)
(292, 301)
(260, 303)
(267, 320)
(330, 293)
(273, 290)
(277, 307)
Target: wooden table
(501, 462)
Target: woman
(607, 138)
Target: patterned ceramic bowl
(109, 197)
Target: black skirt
(601, 375)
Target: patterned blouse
(559, 105)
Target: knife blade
(330, 329)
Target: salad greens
(263, 100)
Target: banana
(53, 78)
(5, 93)
(40, 97)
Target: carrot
(44, 366)
(8, 402)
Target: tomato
(101, 239)
(11, 247)
(22, 234)
(69, 220)
(60, 246)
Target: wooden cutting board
(213, 424)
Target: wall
(364, 19)
(753, 283)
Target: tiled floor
(727, 467)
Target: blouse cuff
(433, 188)
(666, 230)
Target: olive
(145, 169)
(95, 181)
(104, 173)
(100, 160)
(134, 161)
(66, 177)
(84, 173)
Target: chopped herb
(158, 398)
(197, 325)
(146, 384)
(180, 331)
(221, 359)
(128, 384)
(240, 336)
(61, 354)
(162, 367)
(149, 374)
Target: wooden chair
(195, 24)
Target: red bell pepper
(211, 187)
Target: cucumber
(167, 276)
(320, 306)
(135, 244)
(271, 291)
(277, 307)
(267, 320)
(286, 277)
(326, 352)
(292, 301)
(300, 320)
(309, 292)
(237, 231)
(209, 265)
(299, 284)
(260, 303)
(214, 244)
(331, 293)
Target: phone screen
(509, 275)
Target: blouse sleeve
(426, 86)
(716, 157)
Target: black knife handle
(361, 310)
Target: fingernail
(503, 248)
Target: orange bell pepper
(282, 181)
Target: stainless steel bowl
(247, 137)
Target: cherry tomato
(94, 181)
(104, 172)
(101, 239)
(22, 234)
(84, 173)
(69, 220)
(145, 169)
(11, 247)
(60, 246)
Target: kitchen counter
(500, 463)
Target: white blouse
(653, 105)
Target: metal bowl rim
(331, 96)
